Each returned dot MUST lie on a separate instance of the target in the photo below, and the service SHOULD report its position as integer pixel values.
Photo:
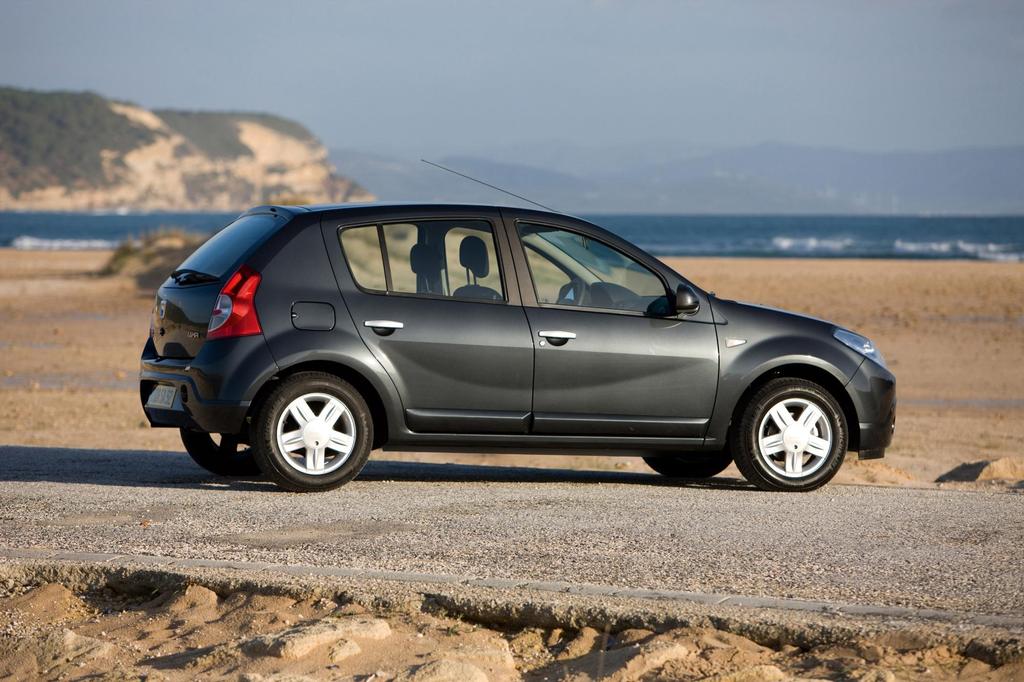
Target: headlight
(859, 343)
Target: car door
(432, 303)
(610, 357)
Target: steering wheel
(612, 295)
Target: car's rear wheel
(691, 465)
(220, 454)
(312, 433)
(791, 436)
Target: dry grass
(152, 257)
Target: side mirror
(687, 302)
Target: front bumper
(213, 391)
(873, 391)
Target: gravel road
(955, 550)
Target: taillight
(234, 313)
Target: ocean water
(998, 238)
(27, 230)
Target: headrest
(424, 260)
(473, 255)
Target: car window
(471, 266)
(399, 240)
(365, 259)
(575, 270)
(221, 251)
(456, 259)
(548, 278)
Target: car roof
(411, 206)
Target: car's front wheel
(791, 436)
(692, 465)
(312, 433)
(222, 456)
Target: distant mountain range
(768, 178)
(75, 151)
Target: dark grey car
(297, 339)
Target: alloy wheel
(794, 438)
(316, 433)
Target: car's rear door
(609, 359)
(433, 304)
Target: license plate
(161, 397)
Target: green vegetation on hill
(51, 138)
(216, 135)
(213, 134)
(87, 152)
(281, 125)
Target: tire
(691, 465)
(222, 458)
(343, 444)
(818, 451)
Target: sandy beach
(952, 331)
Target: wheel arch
(366, 388)
(816, 374)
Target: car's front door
(433, 306)
(611, 357)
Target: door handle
(384, 327)
(557, 338)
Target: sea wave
(812, 244)
(935, 248)
(959, 248)
(27, 243)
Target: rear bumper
(190, 412)
(213, 391)
(873, 390)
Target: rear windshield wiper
(187, 276)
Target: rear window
(221, 251)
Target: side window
(456, 259)
(548, 278)
(400, 245)
(471, 263)
(575, 270)
(362, 251)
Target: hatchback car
(298, 339)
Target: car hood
(758, 308)
(783, 311)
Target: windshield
(224, 249)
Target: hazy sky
(446, 76)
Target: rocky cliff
(78, 151)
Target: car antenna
(487, 184)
